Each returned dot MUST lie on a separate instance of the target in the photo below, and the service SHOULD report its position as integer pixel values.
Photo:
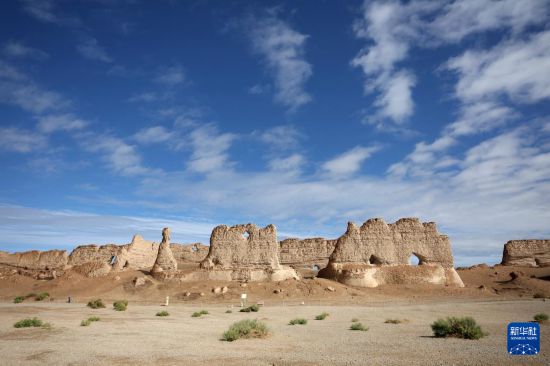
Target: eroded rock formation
(189, 253)
(531, 253)
(165, 260)
(35, 260)
(377, 253)
(306, 252)
(245, 252)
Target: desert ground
(137, 336)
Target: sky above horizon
(124, 116)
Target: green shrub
(28, 296)
(85, 323)
(396, 321)
(300, 321)
(321, 316)
(245, 329)
(204, 312)
(18, 299)
(253, 308)
(120, 305)
(41, 296)
(89, 321)
(163, 313)
(228, 311)
(198, 314)
(96, 304)
(541, 318)
(358, 326)
(26, 323)
(354, 320)
(466, 328)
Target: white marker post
(243, 300)
(167, 300)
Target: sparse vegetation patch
(300, 321)
(96, 304)
(163, 313)
(198, 314)
(41, 296)
(541, 318)
(120, 305)
(253, 308)
(396, 321)
(358, 326)
(465, 327)
(321, 316)
(18, 299)
(27, 323)
(246, 329)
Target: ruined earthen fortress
(373, 254)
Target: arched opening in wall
(375, 260)
(246, 235)
(112, 260)
(194, 248)
(414, 260)
(315, 268)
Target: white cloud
(19, 50)
(66, 229)
(392, 28)
(283, 50)
(153, 135)
(289, 164)
(150, 97)
(57, 122)
(209, 149)
(91, 50)
(516, 69)
(171, 75)
(259, 89)
(349, 162)
(20, 140)
(44, 11)
(119, 156)
(283, 137)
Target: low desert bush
(26, 323)
(228, 311)
(541, 318)
(354, 320)
(245, 329)
(41, 296)
(120, 305)
(96, 304)
(253, 308)
(321, 316)
(89, 321)
(300, 321)
(466, 328)
(396, 321)
(198, 314)
(539, 295)
(18, 299)
(163, 313)
(358, 326)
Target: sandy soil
(137, 336)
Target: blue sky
(121, 117)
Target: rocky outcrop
(306, 252)
(245, 252)
(531, 253)
(165, 260)
(139, 254)
(368, 255)
(94, 253)
(36, 260)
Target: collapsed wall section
(306, 252)
(530, 252)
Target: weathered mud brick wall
(532, 253)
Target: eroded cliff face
(36, 260)
(245, 252)
(189, 253)
(363, 255)
(306, 252)
(531, 253)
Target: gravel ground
(137, 336)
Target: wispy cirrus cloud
(15, 49)
(89, 48)
(282, 48)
